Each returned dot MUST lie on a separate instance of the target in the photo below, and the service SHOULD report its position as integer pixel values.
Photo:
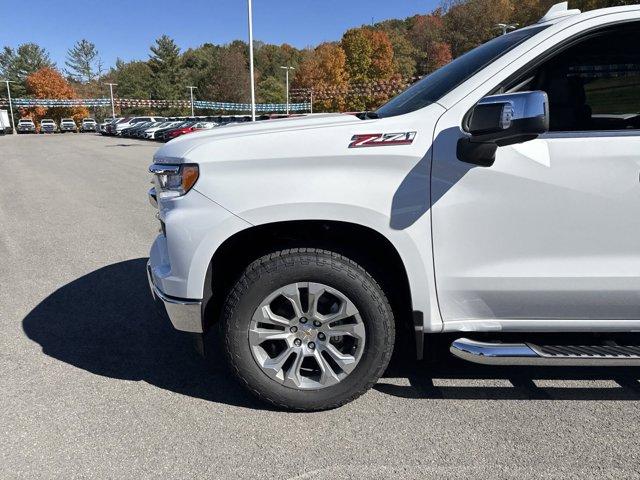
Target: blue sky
(126, 29)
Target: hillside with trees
(361, 70)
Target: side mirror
(501, 120)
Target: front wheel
(307, 329)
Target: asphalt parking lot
(94, 385)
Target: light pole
(505, 27)
(13, 125)
(287, 76)
(113, 110)
(253, 89)
(191, 90)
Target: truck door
(550, 233)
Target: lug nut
(311, 345)
(321, 336)
(297, 342)
(293, 329)
(316, 323)
(303, 320)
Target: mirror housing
(501, 120)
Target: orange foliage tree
(369, 55)
(324, 71)
(428, 36)
(48, 83)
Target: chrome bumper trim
(185, 314)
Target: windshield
(437, 84)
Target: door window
(594, 84)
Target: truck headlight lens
(174, 180)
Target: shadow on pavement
(106, 323)
(451, 378)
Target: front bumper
(185, 315)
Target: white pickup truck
(499, 194)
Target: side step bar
(529, 354)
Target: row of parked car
(163, 129)
(48, 125)
(155, 128)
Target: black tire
(281, 268)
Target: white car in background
(88, 125)
(68, 125)
(151, 132)
(498, 195)
(26, 125)
(48, 125)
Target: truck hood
(176, 150)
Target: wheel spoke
(315, 292)
(355, 330)
(292, 293)
(327, 375)
(293, 376)
(346, 362)
(275, 364)
(265, 315)
(259, 335)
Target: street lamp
(253, 89)
(13, 125)
(505, 27)
(287, 70)
(113, 110)
(191, 90)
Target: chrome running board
(530, 354)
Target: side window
(594, 84)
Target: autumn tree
(82, 61)
(427, 34)
(369, 57)
(470, 23)
(324, 70)
(369, 54)
(405, 53)
(49, 83)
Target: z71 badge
(362, 140)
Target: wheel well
(364, 245)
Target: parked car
(111, 127)
(120, 126)
(150, 133)
(47, 125)
(171, 134)
(495, 199)
(88, 125)
(5, 123)
(139, 131)
(68, 125)
(26, 125)
(130, 131)
(161, 135)
(107, 121)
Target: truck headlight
(174, 180)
